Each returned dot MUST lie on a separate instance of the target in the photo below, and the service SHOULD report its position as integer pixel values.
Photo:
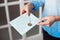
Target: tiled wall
(14, 11)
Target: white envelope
(21, 23)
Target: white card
(21, 23)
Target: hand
(26, 9)
(49, 20)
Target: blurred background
(9, 10)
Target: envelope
(21, 23)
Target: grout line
(9, 3)
(40, 15)
(34, 36)
(2, 4)
(8, 19)
(26, 1)
(12, 3)
(4, 26)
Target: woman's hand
(26, 9)
(47, 21)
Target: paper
(21, 23)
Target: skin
(26, 9)
(49, 19)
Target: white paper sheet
(21, 23)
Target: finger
(43, 23)
(43, 18)
(28, 12)
(22, 12)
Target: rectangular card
(21, 23)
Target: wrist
(30, 5)
(57, 18)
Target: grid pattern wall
(9, 10)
